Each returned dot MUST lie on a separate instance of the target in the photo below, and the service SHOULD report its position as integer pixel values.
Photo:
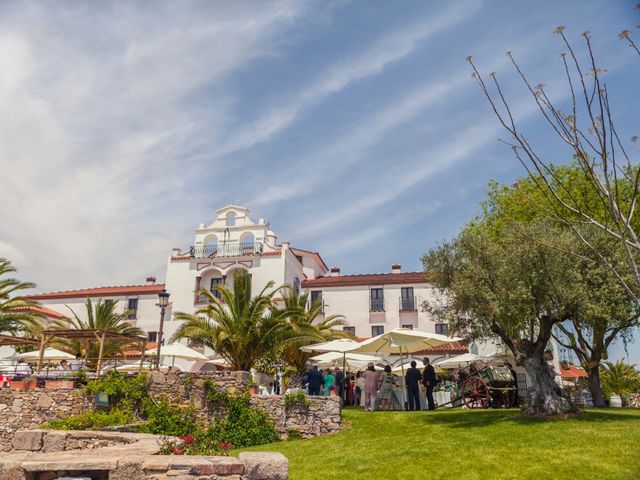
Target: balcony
(233, 249)
(377, 305)
(408, 304)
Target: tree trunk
(547, 398)
(595, 387)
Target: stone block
(44, 401)
(30, 440)
(218, 466)
(54, 442)
(265, 465)
(127, 470)
(13, 473)
(71, 463)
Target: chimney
(151, 280)
(285, 245)
(335, 271)
(395, 268)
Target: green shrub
(244, 426)
(123, 391)
(215, 394)
(296, 399)
(93, 420)
(293, 434)
(164, 418)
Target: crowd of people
(370, 388)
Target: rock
(27, 440)
(218, 466)
(128, 470)
(13, 473)
(54, 442)
(265, 465)
(44, 401)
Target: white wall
(354, 301)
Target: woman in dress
(387, 382)
(329, 383)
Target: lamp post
(163, 301)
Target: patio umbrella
(51, 354)
(403, 341)
(351, 359)
(457, 361)
(341, 345)
(178, 350)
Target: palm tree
(619, 378)
(12, 320)
(101, 316)
(304, 329)
(239, 327)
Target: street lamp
(163, 301)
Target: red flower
(190, 439)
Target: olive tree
(511, 287)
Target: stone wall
(322, 416)
(49, 454)
(20, 409)
(183, 386)
(31, 408)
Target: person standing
(412, 379)
(340, 385)
(359, 390)
(314, 377)
(329, 383)
(429, 381)
(387, 382)
(370, 388)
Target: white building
(370, 303)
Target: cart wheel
(475, 393)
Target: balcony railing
(377, 305)
(233, 249)
(408, 304)
(200, 299)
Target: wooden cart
(482, 386)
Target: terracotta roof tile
(453, 347)
(43, 310)
(367, 279)
(101, 292)
(572, 372)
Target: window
(132, 307)
(316, 296)
(442, 328)
(214, 283)
(231, 219)
(296, 285)
(152, 337)
(351, 330)
(407, 302)
(377, 300)
(408, 327)
(377, 330)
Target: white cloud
(374, 59)
(96, 126)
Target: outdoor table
(442, 398)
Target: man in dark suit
(412, 379)
(315, 380)
(429, 381)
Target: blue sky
(353, 127)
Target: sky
(353, 127)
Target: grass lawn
(463, 444)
